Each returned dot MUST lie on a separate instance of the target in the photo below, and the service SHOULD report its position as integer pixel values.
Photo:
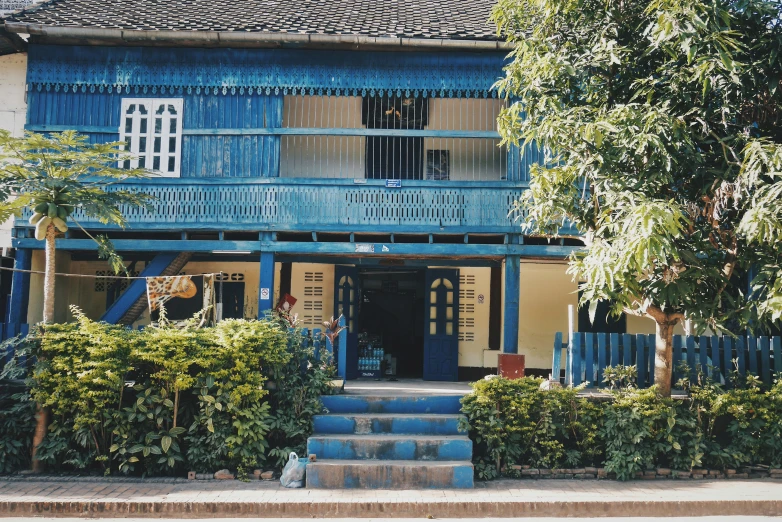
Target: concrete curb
(391, 509)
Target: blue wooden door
(346, 299)
(441, 330)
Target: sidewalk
(503, 498)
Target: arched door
(441, 330)
(346, 299)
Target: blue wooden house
(344, 153)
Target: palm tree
(54, 176)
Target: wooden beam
(266, 284)
(512, 290)
(384, 262)
(286, 131)
(356, 250)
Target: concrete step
(391, 447)
(366, 423)
(444, 404)
(388, 474)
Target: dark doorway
(232, 299)
(604, 322)
(392, 309)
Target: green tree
(55, 176)
(660, 122)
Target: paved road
(675, 519)
(501, 498)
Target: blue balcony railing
(322, 205)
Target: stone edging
(752, 472)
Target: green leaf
(165, 443)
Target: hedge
(515, 423)
(162, 400)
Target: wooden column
(266, 286)
(20, 289)
(511, 296)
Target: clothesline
(9, 269)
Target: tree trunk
(48, 282)
(663, 357)
(41, 415)
(42, 423)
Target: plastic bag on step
(293, 472)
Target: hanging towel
(161, 289)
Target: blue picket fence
(714, 356)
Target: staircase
(390, 442)
(133, 301)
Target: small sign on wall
(265, 294)
(393, 183)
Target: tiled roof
(425, 19)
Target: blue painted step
(390, 442)
(444, 404)
(389, 474)
(390, 447)
(366, 423)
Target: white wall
(546, 292)
(13, 111)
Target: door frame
(348, 295)
(441, 324)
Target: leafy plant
(515, 422)
(295, 397)
(17, 410)
(155, 401)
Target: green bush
(514, 422)
(171, 398)
(17, 410)
(631, 430)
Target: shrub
(295, 398)
(168, 397)
(514, 422)
(17, 410)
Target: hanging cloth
(162, 289)
(209, 316)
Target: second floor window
(152, 129)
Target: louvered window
(152, 129)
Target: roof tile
(431, 19)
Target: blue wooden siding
(156, 69)
(202, 155)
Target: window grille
(152, 129)
(392, 137)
